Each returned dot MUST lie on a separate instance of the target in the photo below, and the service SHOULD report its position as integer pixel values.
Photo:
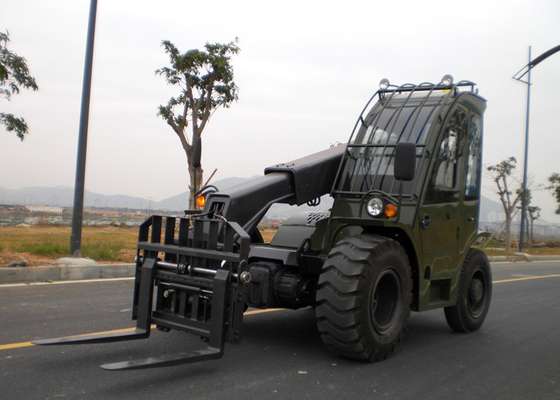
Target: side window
(444, 183)
(472, 185)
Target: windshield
(368, 163)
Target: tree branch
(207, 109)
(194, 106)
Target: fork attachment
(196, 275)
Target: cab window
(443, 185)
(473, 158)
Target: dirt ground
(30, 260)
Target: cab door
(468, 224)
(439, 218)
(440, 215)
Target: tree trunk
(508, 233)
(196, 175)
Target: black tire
(474, 294)
(364, 297)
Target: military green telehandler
(398, 238)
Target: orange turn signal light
(390, 210)
(201, 201)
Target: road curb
(65, 273)
(516, 257)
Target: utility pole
(525, 162)
(78, 211)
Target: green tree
(14, 74)
(554, 180)
(205, 82)
(500, 173)
(533, 213)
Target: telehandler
(399, 237)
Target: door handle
(425, 221)
(470, 219)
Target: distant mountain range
(63, 196)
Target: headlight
(375, 207)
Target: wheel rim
(386, 301)
(477, 294)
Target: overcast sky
(305, 70)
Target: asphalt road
(516, 355)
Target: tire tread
(341, 298)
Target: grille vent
(314, 217)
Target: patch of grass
(51, 249)
(267, 234)
(44, 243)
(102, 251)
(101, 243)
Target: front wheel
(474, 294)
(364, 297)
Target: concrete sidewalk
(65, 273)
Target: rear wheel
(364, 297)
(474, 294)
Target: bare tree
(500, 173)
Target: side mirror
(197, 152)
(405, 161)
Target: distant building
(44, 209)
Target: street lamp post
(525, 159)
(78, 210)
(526, 70)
